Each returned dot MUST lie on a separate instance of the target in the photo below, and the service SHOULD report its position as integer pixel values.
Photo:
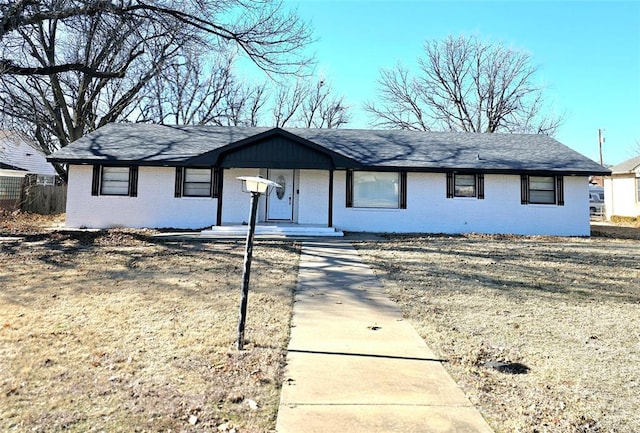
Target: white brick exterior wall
(154, 207)
(313, 199)
(428, 209)
(235, 203)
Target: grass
(118, 331)
(567, 309)
(625, 220)
(114, 331)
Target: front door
(280, 201)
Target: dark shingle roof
(628, 166)
(173, 145)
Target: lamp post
(256, 186)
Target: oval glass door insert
(283, 185)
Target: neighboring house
(622, 189)
(141, 175)
(18, 158)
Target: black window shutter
(524, 189)
(95, 180)
(450, 185)
(480, 182)
(560, 190)
(178, 186)
(133, 181)
(403, 190)
(349, 191)
(215, 175)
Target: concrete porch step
(273, 230)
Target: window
(465, 185)
(638, 189)
(110, 180)
(542, 190)
(374, 189)
(115, 181)
(196, 182)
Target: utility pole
(600, 141)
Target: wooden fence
(24, 193)
(45, 199)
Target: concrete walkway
(354, 364)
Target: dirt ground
(542, 333)
(118, 331)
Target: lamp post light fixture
(255, 185)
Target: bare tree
(182, 93)
(322, 110)
(262, 29)
(464, 85)
(58, 108)
(309, 106)
(70, 66)
(287, 103)
(244, 104)
(188, 93)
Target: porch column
(220, 189)
(330, 198)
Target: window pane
(197, 182)
(197, 175)
(115, 181)
(543, 197)
(196, 189)
(542, 190)
(465, 185)
(541, 183)
(375, 189)
(638, 189)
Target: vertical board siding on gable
(429, 210)
(154, 207)
(275, 152)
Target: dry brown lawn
(543, 334)
(119, 331)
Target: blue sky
(588, 53)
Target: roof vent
(478, 157)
